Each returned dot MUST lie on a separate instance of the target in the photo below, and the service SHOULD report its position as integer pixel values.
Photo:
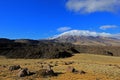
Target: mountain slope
(33, 49)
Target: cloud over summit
(91, 6)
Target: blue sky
(37, 19)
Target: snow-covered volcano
(83, 33)
(85, 37)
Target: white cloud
(62, 29)
(90, 6)
(108, 27)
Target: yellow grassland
(97, 67)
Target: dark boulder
(24, 72)
(45, 73)
(14, 67)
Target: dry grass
(97, 67)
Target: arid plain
(96, 67)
